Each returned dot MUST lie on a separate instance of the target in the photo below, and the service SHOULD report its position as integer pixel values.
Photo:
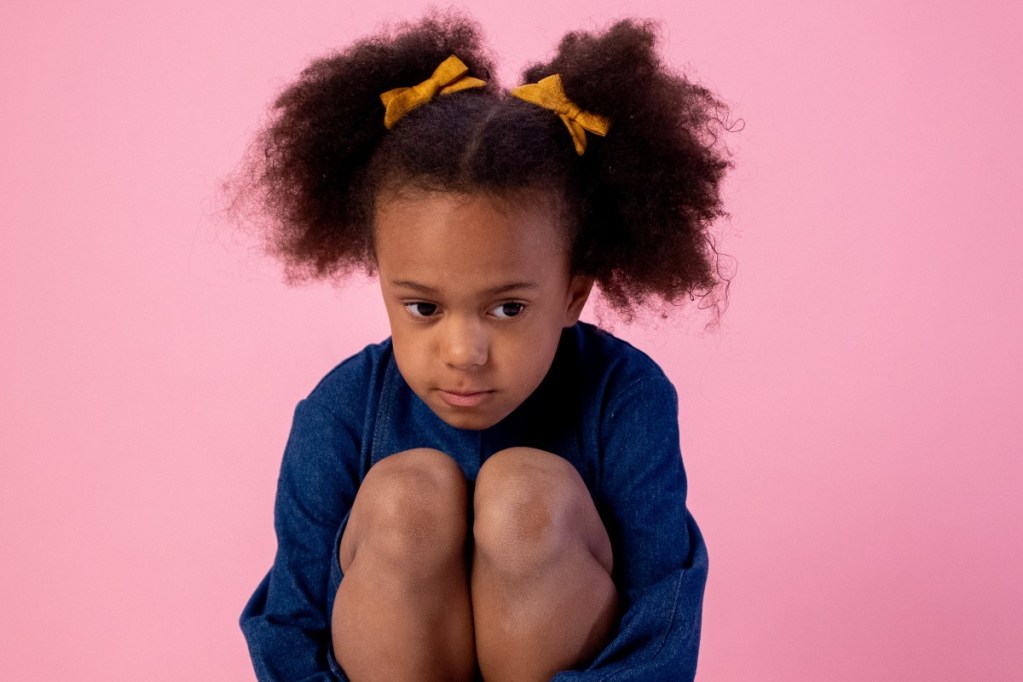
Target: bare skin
(403, 610)
(538, 596)
(542, 593)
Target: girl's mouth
(463, 399)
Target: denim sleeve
(286, 622)
(660, 558)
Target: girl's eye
(507, 310)
(421, 308)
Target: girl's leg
(542, 594)
(403, 610)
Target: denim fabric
(604, 406)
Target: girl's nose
(465, 344)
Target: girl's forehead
(444, 235)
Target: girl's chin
(467, 422)
(475, 418)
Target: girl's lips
(463, 399)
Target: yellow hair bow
(549, 94)
(447, 78)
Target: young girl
(496, 490)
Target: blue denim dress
(615, 419)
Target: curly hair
(638, 204)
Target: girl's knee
(412, 505)
(530, 508)
(418, 467)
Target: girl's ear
(579, 290)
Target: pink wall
(851, 433)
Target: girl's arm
(286, 621)
(661, 560)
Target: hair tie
(447, 78)
(549, 94)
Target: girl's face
(477, 292)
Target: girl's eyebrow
(492, 291)
(511, 286)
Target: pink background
(852, 432)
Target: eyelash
(412, 308)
